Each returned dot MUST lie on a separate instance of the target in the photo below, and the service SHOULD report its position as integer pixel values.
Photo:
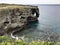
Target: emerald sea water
(47, 27)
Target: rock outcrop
(12, 15)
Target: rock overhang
(16, 15)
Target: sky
(31, 1)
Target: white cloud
(30, 1)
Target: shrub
(9, 41)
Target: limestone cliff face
(17, 15)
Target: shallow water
(47, 27)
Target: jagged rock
(12, 15)
(2, 31)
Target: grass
(9, 41)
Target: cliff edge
(12, 15)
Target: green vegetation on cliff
(8, 41)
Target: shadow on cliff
(33, 24)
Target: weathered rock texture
(12, 15)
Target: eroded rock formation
(12, 16)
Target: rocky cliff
(12, 15)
